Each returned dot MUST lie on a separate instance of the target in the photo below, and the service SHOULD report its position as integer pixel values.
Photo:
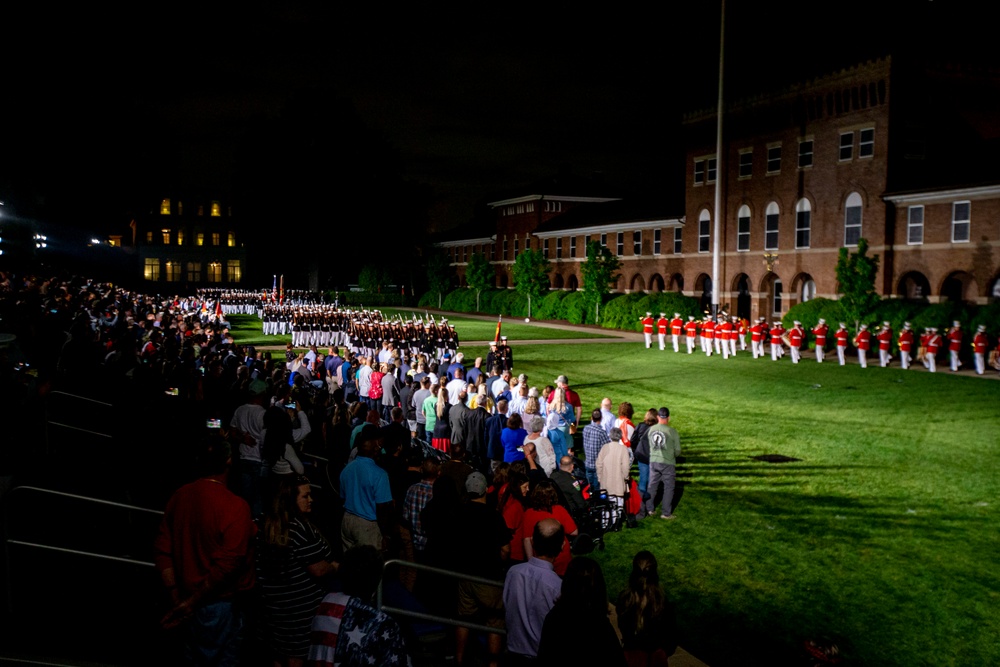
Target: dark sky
(102, 104)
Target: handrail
(49, 422)
(7, 541)
(82, 398)
(432, 617)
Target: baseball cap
(475, 484)
(258, 387)
(562, 380)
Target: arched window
(776, 290)
(704, 226)
(803, 223)
(808, 290)
(771, 227)
(852, 219)
(743, 229)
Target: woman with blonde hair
(441, 438)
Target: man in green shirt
(664, 448)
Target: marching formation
(729, 334)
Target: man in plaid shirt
(594, 438)
(417, 497)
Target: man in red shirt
(820, 331)
(841, 335)
(884, 341)
(647, 329)
(979, 344)
(690, 333)
(662, 325)
(863, 341)
(757, 338)
(724, 332)
(795, 337)
(932, 346)
(955, 345)
(707, 335)
(777, 331)
(676, 326)
(905, 343)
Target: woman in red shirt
(544, 504)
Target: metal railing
(50, 547)
(62, 421)
(422, 616)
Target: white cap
(981, 327)
(885, 323)
(906, 325)
(843, 325)
(955, 324)
(677, 314)
(691, 318)
(663, 314)
(822, 321)
(864, 326)
(648, 313)
(796, 323)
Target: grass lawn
(515, 330)
(883, 537)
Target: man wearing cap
(492, 359)
(932, 345)
(777, 331)
(820, 331)
(905, 343)
(690, 333)
(863, 341)
(841, 336)
(676, 327)
(795, 337)
(979, 344)
(955, 345)
(662, 325)
(757, 338)
(505, 355)
(723, 334)
(647, 329)
(884, 341)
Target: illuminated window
(149, 237)
(231, 240)
(852, 220)
(771, 227)
(743, 229)
(193, 272)
(216, 238)
(704, 226)
(151, 269)
(960, 221)
(199, 239)
(803, 223)
(180, 208)
(214, 272)
(166, 236)
(180, 237)
(173, 271)
(234, 271)
(165, 207)
(216, 210)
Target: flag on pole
(281, 291)
(496, 337)
(274, 288)
(218, 309)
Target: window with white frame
(559, 248)
(656, 241)
(517, 247)
(704, 228)
(846, 146)
(545, 248)
(678, 240)
(151, 269)
(852, 219)
(803, 223)
(746, 164)
(866, 142)
(620, 244)
(699, 172)
(713, 168)
(776, 297)
(743, 229)
(530, 207)
(774, 159)
(173, 271)
(504, 248)
(771, 217)
(915, 225)
(805, 153)
(214, 272)
(572, 246)
(961, 212)
(637, 243)
(604, 240)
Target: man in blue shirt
(364, 488)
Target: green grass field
(883, 536)
(515, 330)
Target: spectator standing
(530, 591)
(594, 438)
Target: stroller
(602, 515)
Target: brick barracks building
(898, 156)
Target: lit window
(656, 241)
(165, 207)
(774, 159)
(637, 243)
(960, 216)
(193, 272)
(620, 245)
(915, 225)
(214, 272)
(704, 225)
(699, 172)
(199, 239)
(234, 271)
(201, 210)
(852, 220)
(173, 272)
(805, 154)
(846, 146)
(151, 269)
(713, 168)
(231, 240)
(678, 236)
(743, 229)
(180, 237)
(572, 246)
(746, 164)
(216, 210)
(149, 237)
(215, 238)
(771, 227)
(803, 223)
(166, 236)
(866, 142)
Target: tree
(438, 274)
(856, 273)
(531, 275)
(479, 274)
(373, 278)
(600, 272)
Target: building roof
(633, 213)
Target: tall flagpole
(719, 174)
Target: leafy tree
(856, 273)
(479, 274)
(531, 275)
(600, 272)
(439, 273)
(372, 278)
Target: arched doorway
(557, 281)
(772, 290)
(703, 288)
(913, 285)
(656, 283)
(958, 286)
(572, 284)
(741, 286)
(677, 283)
(503, 281)
(637, 284)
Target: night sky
(425, 109)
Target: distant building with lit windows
(190, 242)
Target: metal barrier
(432, 617)
(48, 547)
(62, 420)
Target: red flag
(218, 309)
(496, 337)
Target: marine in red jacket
(955, 345)
(757, 338)
(979, 344)
(884, 337)
(863, 341)
(841, 336)
(676, 330)
(796, 335)
(662, 325)
(905, 343)
(819, 332)
(932, 345)
(690, 332)
(777, 331)
(647, 329)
